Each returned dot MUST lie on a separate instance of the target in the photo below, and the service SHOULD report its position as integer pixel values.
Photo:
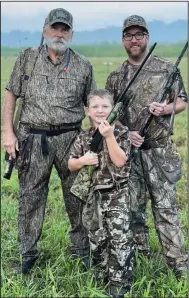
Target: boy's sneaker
(83, 255)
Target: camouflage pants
(110, 234)
(34, 170)
(155, 172)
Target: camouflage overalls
(157, 167)
(107, 213)
(50, 121)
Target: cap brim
(135, 25)
(60, 21)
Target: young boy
(107, 214)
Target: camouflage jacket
(107, 172)
(54, 95)
(143, 92)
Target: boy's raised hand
(106, 130)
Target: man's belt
(50, 127)
(52, 130)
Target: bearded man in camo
(51, 116)
(157, 167)
(107, 213)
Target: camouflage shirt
(142, 92)
(106, 173)
(54, 96)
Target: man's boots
(26, 266)
(181, 271)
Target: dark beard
(136, 56)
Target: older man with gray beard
(53, 81)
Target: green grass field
(55, 274)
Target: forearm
(117, 155)
(8, 111)
(75, 164)
(180, 106)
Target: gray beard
(59, 47)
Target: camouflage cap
(135, 20)
(59, 15)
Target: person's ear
(148, 38)
(72, 33)
(87, 110)
(44, 32)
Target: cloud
(88, 15)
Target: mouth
(101, 117)
(135, 47)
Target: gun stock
(10, 162)
(9, 167)
(81, 185)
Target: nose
(59, 33)
(134, 39)
(100, 109)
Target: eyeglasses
(138, 36)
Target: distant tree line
(105, 50)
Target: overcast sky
(30, 16)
